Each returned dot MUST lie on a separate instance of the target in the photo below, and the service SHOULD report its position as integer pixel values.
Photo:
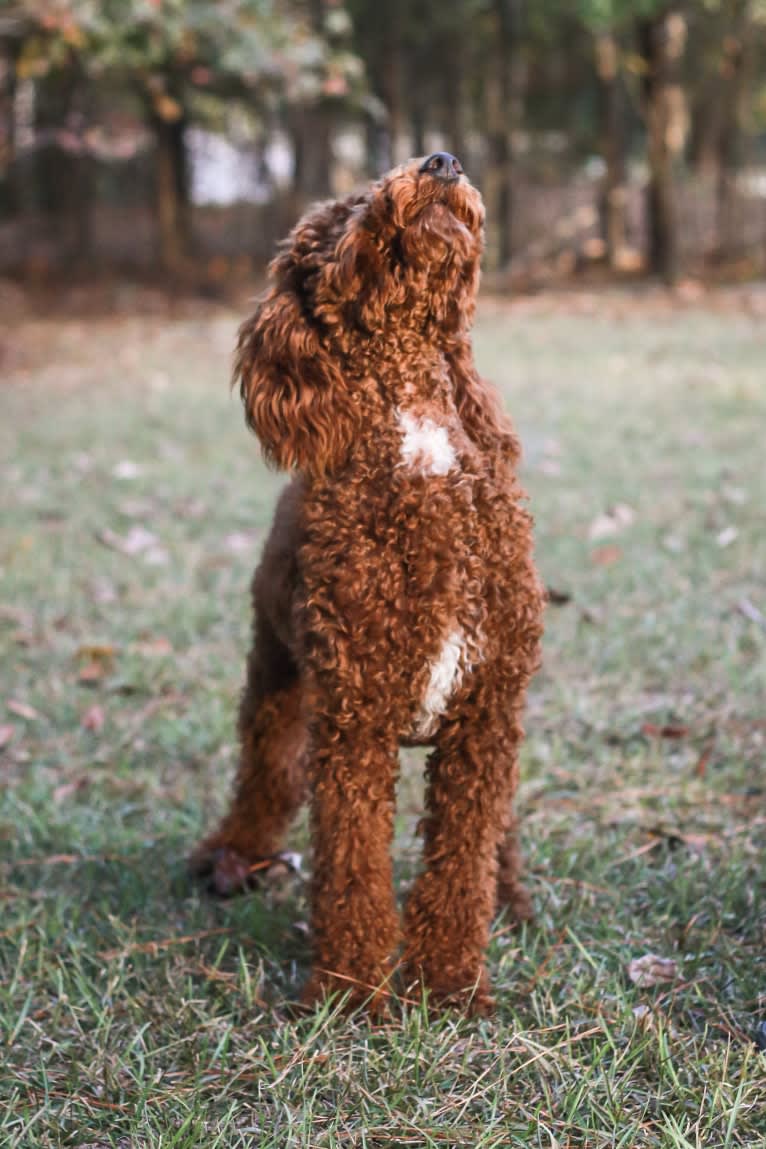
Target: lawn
(137, 1012)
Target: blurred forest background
(182, 137)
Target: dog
(397, 601)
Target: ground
(134, 1011)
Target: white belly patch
(447, 671)
(425, 445)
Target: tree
(11, 30)
(502, 114)
(171, 52)
(662, 40)
(603, 19)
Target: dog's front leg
(471, 778)
(354, 918)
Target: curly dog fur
(396, 601)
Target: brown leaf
(97, 651)
(670, 730)
(67, 789)
(700, 769)
(606, 556)
(23, 709)
(652, 970)
(91, 673)
(93, 719)
(6, 734)
(154, 647)
(558, 597)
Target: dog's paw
(441, 997)
(346, 996)
(224, 871)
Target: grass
(136, 1012)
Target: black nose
(443, 166)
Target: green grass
(136, 1012)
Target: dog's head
(400, 260)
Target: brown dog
(396, 601)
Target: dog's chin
(438, 235)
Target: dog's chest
(426, 447)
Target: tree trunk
(453, 75)
(705, 130)
(503, 100)
(614, 194)
(662, 40)
(80, 208)
(172, 193)
(391, 84)
(80, 184)
(9, 204)
(312, 144)
(731, 95)
(312, 130)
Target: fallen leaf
(614, 520)
(156, 556)
(700, 769)
(592, 615)
(97, 651)
(135, 542)
(67, 789)
(727, 536)
(669, 730)
(93, 719)
(239, 542)
(643, 1014)
(751, 612)
(606, 556)
(153, 647)
(138, 539)
(127, 469)
(652, 970)
(23, 709)
(103, 591)
(135, 508)
(6, 734)
(91, 673)
(735, 495)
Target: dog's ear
(355, 285)
(479, 408)
(296, 399)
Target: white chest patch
(446, 675)
(425, 445)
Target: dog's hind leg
(270, 783)
(512, 894)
